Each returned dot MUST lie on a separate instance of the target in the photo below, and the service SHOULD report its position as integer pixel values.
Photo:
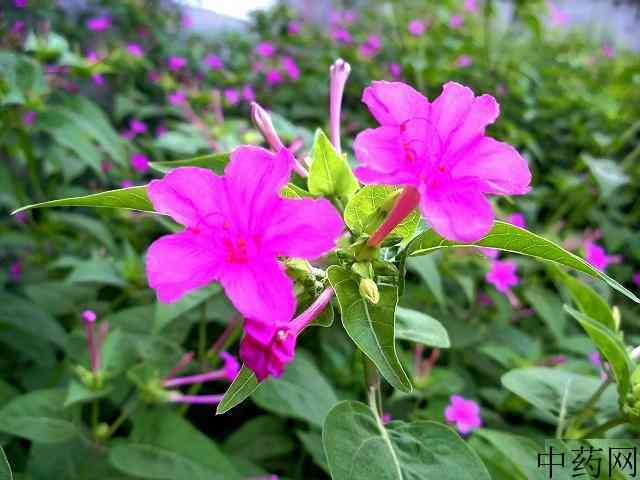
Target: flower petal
(260, 289)
(500, 165)
(460, 213)
(483, 111)
(179, 263)
(187, 194)
(392, 103)
(450, 109)
(305, 228)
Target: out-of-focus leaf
(607, 173)
(260, 438)
(329, 174)
(23, 315)
(216, 162)
(420, 328)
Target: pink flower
(98, 79)
(395, 70)
(135, 50)
(140, 162)
(464, 61)
(15, 271)
(248, 94)
(21, 217)
(595, 359)
(386, 418)
(370, 47)
(416, 27)
(265, 49)
(176, 63)
(608, 51)
(29, 117)
(231, 95)
(137, 127)
(557, 16)
(126, 183)
(236, 226)
(20, 3)
(597, 255)
(503, 275)
(636, 279)
(177, 98)
(186, 21)
(492, 253)
(293, 27)
(456, 21)
(470, 6)
(274, 77)
(231, 366)
(18, 26)
(161, 129)
(214, 62)
(228, 372)
(517, 219)
(291, 67)
(99, 24)
(153, 76)
(89, 316)
(464, 413)
(128, 135)
(439, 150)
(341, 35)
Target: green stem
(584, 413)
(600, 429)
(127, 410)
(95, 414)
(372, 381)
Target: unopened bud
(615, 313)
(262, 120)
(102, 431)
(369, 290)
(338, 74)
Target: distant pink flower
(595, 359)
(106, 166)
(492, 253)
(177, 98)
(92, 56)
(503, 275)
(265, 49)
(248, 94)
(20, 3)
(395, 70)
(21, 217)
(137, 127)
(231, 95)
(18, 26)
(154, 76)
(126, 183)
(557, 16)
(291, 67)
(135, 50)
(15, 271)
(439, 152)
(465, 414)
(597, 255)
(88, 316)
(349, 16)
(140, 162)
(341, 35)
(99, 24)
(236, 227)
(558, 359)
(29, 117)
(293, 27)
(274, 77)
(416, 27)
(98, 79)
(214, 62)
(456, 21)
(370, 47)
(176, 63)
(608, 51)
(464, 61)
(386, 418)
(128, 135)
(517, 219)
(636, 279)
(186, 21)
(470, 6)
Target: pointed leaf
(240, 389)
(5, 468)
(420, 328)
(329, 174)
(216, 162)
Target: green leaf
(312, 442)
(547, 388)
(216, 162)
(611, 347)
(78, 393)
(302, 392)
(365, 212)
(20, 314)
(329, 174)
(371, 327)
(608, 174)
(93, 227)
(38, 416)
(260, 438)
(549, 308)
(167, 312)
(427, 270)
(5, 468)
(420, 328)
(132, 198)
(510, 238)
(360, 447)
(240, 389)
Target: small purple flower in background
(608, 51)
(106, 166)
(177, 98)
(21, 217)
(98, 79)
(161, 130)
(371, 46)
(464, 61)
(265, 49)
(248, 94)
(395, 70)
(153, 76)
(29, 117)
(291, 67)
(465, 414)
(20, 3)
(127, 135)
(293, 27)
(341, 35)
(137, 127)
(99, 24)
(456, 22)
(135, 50)
(140, 162)
(274, 77)
(176, 63)
(636, 279)
(557, 16)
(15, 271)
(186, 21)
(92, 56)
(231, 95)
(126, 183)
(416, 27)
(492, 253)
(597, 255)
(18, 26)
(503, 275)
(470, 6)
(596, 361)
(214, 62)
(517, 219)
(94, 345)
(386, 418)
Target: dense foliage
(98, 100)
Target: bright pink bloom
(597, 255)
(135, 50)
(456, 21)
(293, 27)
(20, 3)
(15, 271)
(214, 62)
(231, 95)
(99, 24)
(608, 51)
(636, 279)
(470, 6)
(137, 126)
(177, 98)
(517, 219)
(29, 117)
(439, 149)
(89, 316)
(464, 413)
(503, 275)
(416, 27)
(98, 79)
(268, 346)
(274, 77)
(265, 49)
(248, 94)
(236, 226)
(341, 35)
(176, 63)
(395, 70)
(557, 16)
(291, 67)
(140, 162)
(464, 61)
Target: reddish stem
(407, 201)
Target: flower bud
(262, 120)
(369, 290)
(615, 313)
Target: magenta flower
(395, 70)
(557, 359)
(595, 359)
(21, 217)
(370, 47)
(231, 95)
(456, 22)
(176, 63)
(236, 226)
(464, 413)
(440, 151)
(153, 76)
(89, 317)
(416, 27)
(138, 127)
(29, 117)
(135, 50)
(98, 79)
(291, 67)
(15, 271)
(608, 51)
(341, 35)
(265, 49)
(99, 24)
(177, 98)
(597, 255)
(274, 77)
(293, 27)
(248, 94)
(470, 6)
(557, 16)
(140, 162)
(386, 418)
(267, 346)
(18, 26)
(517, 219)
(464, 61)
(20, 3)
(636, 279)
(214, 62)
(186, 21)
(126, 183)
(503, 275)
